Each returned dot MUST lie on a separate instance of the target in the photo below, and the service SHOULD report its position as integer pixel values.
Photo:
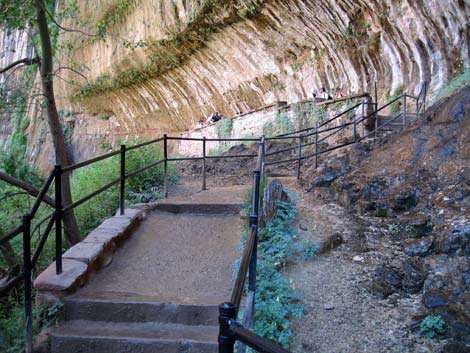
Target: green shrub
(460, 81)
(224, 128)
(281, 125)
(140, 188)
(396, 106)
(12, 328)
(432, 326)
(276, 301)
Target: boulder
(414, 273)
(327, 176)
(273, 194)
(386, 281)
(418, 247)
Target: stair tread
(134, 298)
(153, 331)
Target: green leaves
(276, 301)
(432, 326)
(16, 14)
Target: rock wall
(275, 119)
(248, 54)
(282, 51)
(13, 46)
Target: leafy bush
(276, 300)
(12, 328)
(224, 128)
(396, 106)
(432, 326)
(281, 125)
(454, 85)
(139, 188)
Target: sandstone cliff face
(238, 55)
(13, 46)
(281, 50)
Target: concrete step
(105, 337)
(200, 208)
(115, 307)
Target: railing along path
(230, 329)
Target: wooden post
(204, 186)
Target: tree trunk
(60, 147)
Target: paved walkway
(182, 256)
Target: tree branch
(33, 191)
(25, 61)
(70, 69)
(68, 29)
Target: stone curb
(83, 259)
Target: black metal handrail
(230, 330)
(420, 102)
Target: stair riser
(141, 312)
(108, 345)
(200, 208)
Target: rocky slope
(415, 186)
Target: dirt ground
(342, 316)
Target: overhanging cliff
(252, 53)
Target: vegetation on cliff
(167, 54)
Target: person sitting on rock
(339, 93)
(324, 94)
(200, 123)
(214, 118)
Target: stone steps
(200, 208)
(81, 336)
(115, 307)
(162, 290)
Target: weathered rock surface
(418, 180)
(251, 55)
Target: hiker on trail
(324, 94)
(314, 94)
(339, 93)
(214, 118)
(200, 123)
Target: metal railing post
(226, 313)
(263, 152)
(316, 145)
(355, 132)
(123, 180)
(204, 185)
(58, 219)
(165, 166)
(299, 156)
(404, 108)
(376, 103)
(424, 95)
(28, 307)
(254, 223)
(362, 118)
